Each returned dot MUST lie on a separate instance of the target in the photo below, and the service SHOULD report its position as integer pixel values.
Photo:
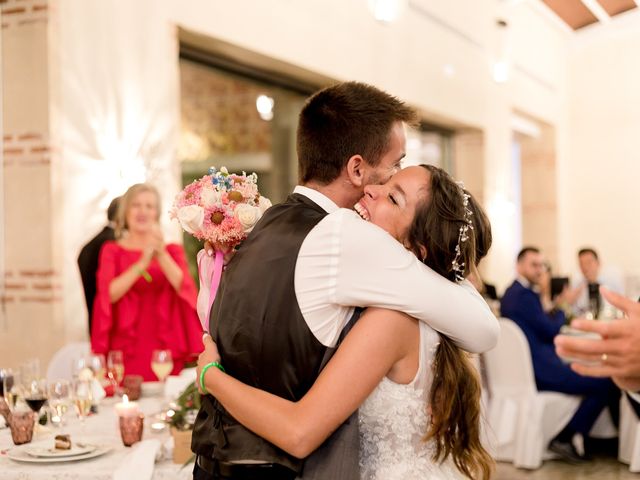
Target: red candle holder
(21, 425)
(131, 429)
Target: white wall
(601, 175)
(341, 40)
(114, 94)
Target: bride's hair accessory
(463, 235)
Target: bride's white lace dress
(393, 421)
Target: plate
(46, 450)
(19, 454)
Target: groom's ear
(356, 170)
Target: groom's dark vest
(262, 337)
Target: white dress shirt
(609, 281)
(345, 261)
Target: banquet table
(101, 428)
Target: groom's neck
(340, 191)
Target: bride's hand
(228, 251)
(210, 354)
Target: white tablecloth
(101, 428)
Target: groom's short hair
(343, 120)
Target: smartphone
(558, 284)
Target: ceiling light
(500, 68)
(386, 10)
(448, 70)
(501, 71)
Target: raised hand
(617, 355)
(157, 239)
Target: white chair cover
(522, 421)
(61, 365)
(629, 446)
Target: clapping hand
(157, 240)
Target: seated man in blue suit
(521, 303)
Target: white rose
(191, 218)
(247, 215)
(210, 198)
(263, 204)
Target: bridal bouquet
(221, 208)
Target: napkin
(139, 462)
(176, 384)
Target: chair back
(509, 368)
(61, 365)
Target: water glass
(59, 398)
(98, 366)
(82, 397)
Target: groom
(289, 291)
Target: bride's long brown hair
(454, 402)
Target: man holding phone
(521, 303)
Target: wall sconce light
(264, 105)
(501, 66)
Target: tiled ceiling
(614, 7)
(577, 14)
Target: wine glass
(78, 364)
(161, 363)
(4, 408)
(3, 373)
(59, 395)
(36, 394)
(98, 366)
(115, 367)
(82, 397)
(11, 388)
(30, 370)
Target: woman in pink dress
(146, 299)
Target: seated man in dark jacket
(521, 303)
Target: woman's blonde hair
(125, 203)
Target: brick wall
(16, 13)
(27, 148)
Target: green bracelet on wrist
(144, 274)
(204, 370)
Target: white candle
(126, 408)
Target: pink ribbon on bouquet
(210, 273)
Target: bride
(417, 393)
